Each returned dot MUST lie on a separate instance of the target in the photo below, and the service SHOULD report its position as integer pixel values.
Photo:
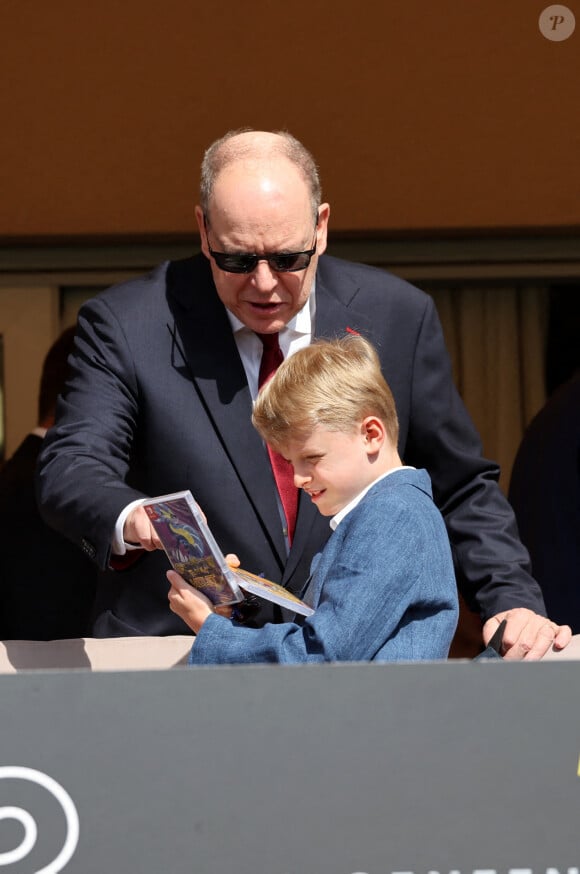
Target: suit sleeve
(91, 441)
(492, 565)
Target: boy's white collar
(337, 519)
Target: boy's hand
(189, 604)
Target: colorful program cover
(195, 555)
(191, 547)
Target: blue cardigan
(383, 589)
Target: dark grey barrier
(457, 767)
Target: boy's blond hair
(333, 383)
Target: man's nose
(263, 277)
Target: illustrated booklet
(194, 553)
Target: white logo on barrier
(29, 824)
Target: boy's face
(332, 467)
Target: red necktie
(283, 472)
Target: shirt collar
(337, 519)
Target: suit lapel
(219, 380)
(336, 310)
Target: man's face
(262, 208)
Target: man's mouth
(265, 307)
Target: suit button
(88, 548)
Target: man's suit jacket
(47, 585)
(158, 402)
(389, 598)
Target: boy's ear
(373, 432)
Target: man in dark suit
(164, 372)
(47, 584)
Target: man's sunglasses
(244, 262)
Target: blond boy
(383, 588)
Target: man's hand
(138, 530)
(527, 635)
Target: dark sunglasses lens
(246, 263)
(235, 263)
(290, 263)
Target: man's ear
(322, 228)
(202, 232)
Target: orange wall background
(423, 116)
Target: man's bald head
(259, 147)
